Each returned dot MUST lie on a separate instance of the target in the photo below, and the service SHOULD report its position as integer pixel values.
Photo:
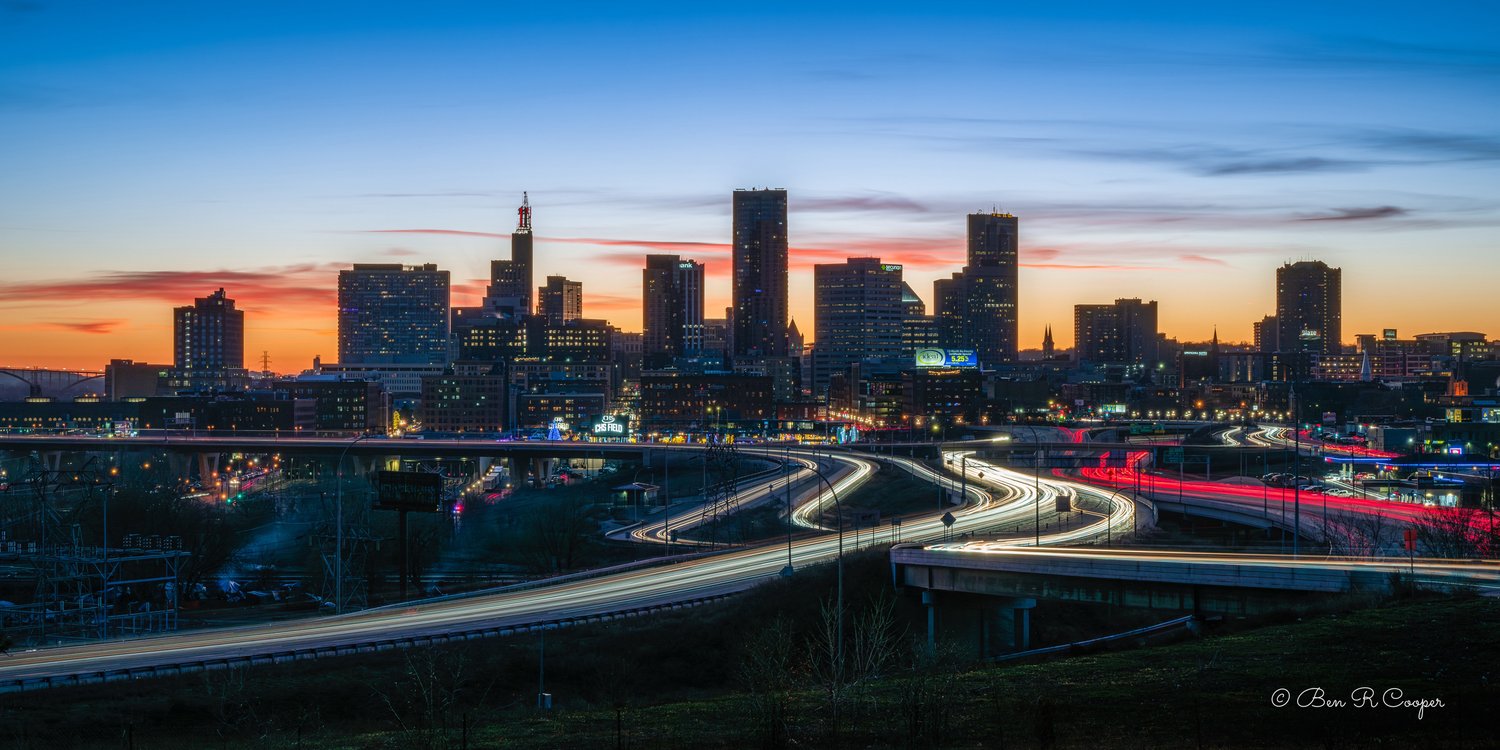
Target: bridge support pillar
(1007, 626)
(990, 626)
(208, 464)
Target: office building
(671, 309)
(1266, 339)
(760, 273)
(1124, 333)
(858, 315)
(918, 329)
(390, 313)
(1309, 305)
(560, 300)
(468, 397)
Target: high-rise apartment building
(1309, 305)
(208, 335)
(858, 315)
(560, 300)
(510, 286)
(671, 308)
(1124, 333)
(760, 273)
(393, 314)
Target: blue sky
(1180, 152)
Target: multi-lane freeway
(999, 497)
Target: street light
(838, 509)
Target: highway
(846, 474)
(1013, 500)
(1349, 523)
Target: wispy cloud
(274, 287)
(1201, 259)
(453, 232)
(84, 326)
(1358, 214)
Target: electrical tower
(721, 462)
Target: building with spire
(511, 287)
(1049, 350)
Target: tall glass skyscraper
(393, 314)
(1309, 307)
(760, 273)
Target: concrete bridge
(982, 594)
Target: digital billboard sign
(962, 358)
(610, 425)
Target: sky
(153, 152)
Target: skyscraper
(671, 308)
(976, 308)
(393, 314)
(510, 286)
(760, 273)
(208, 336)
(560, 300)
(858, 315)
(1309, 301)
(991, 278)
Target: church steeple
(1048, 349)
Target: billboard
(610, 425)
(964, 358)
(418, 491)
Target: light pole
(338, 510)
(839, 510)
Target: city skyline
(1169, 171)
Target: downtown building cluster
(527, 361)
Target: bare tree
(770, 671)
(1453, 532)
(928, 693)
(423, 699)
(551, 538)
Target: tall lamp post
(338, 510)
(839, 509)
